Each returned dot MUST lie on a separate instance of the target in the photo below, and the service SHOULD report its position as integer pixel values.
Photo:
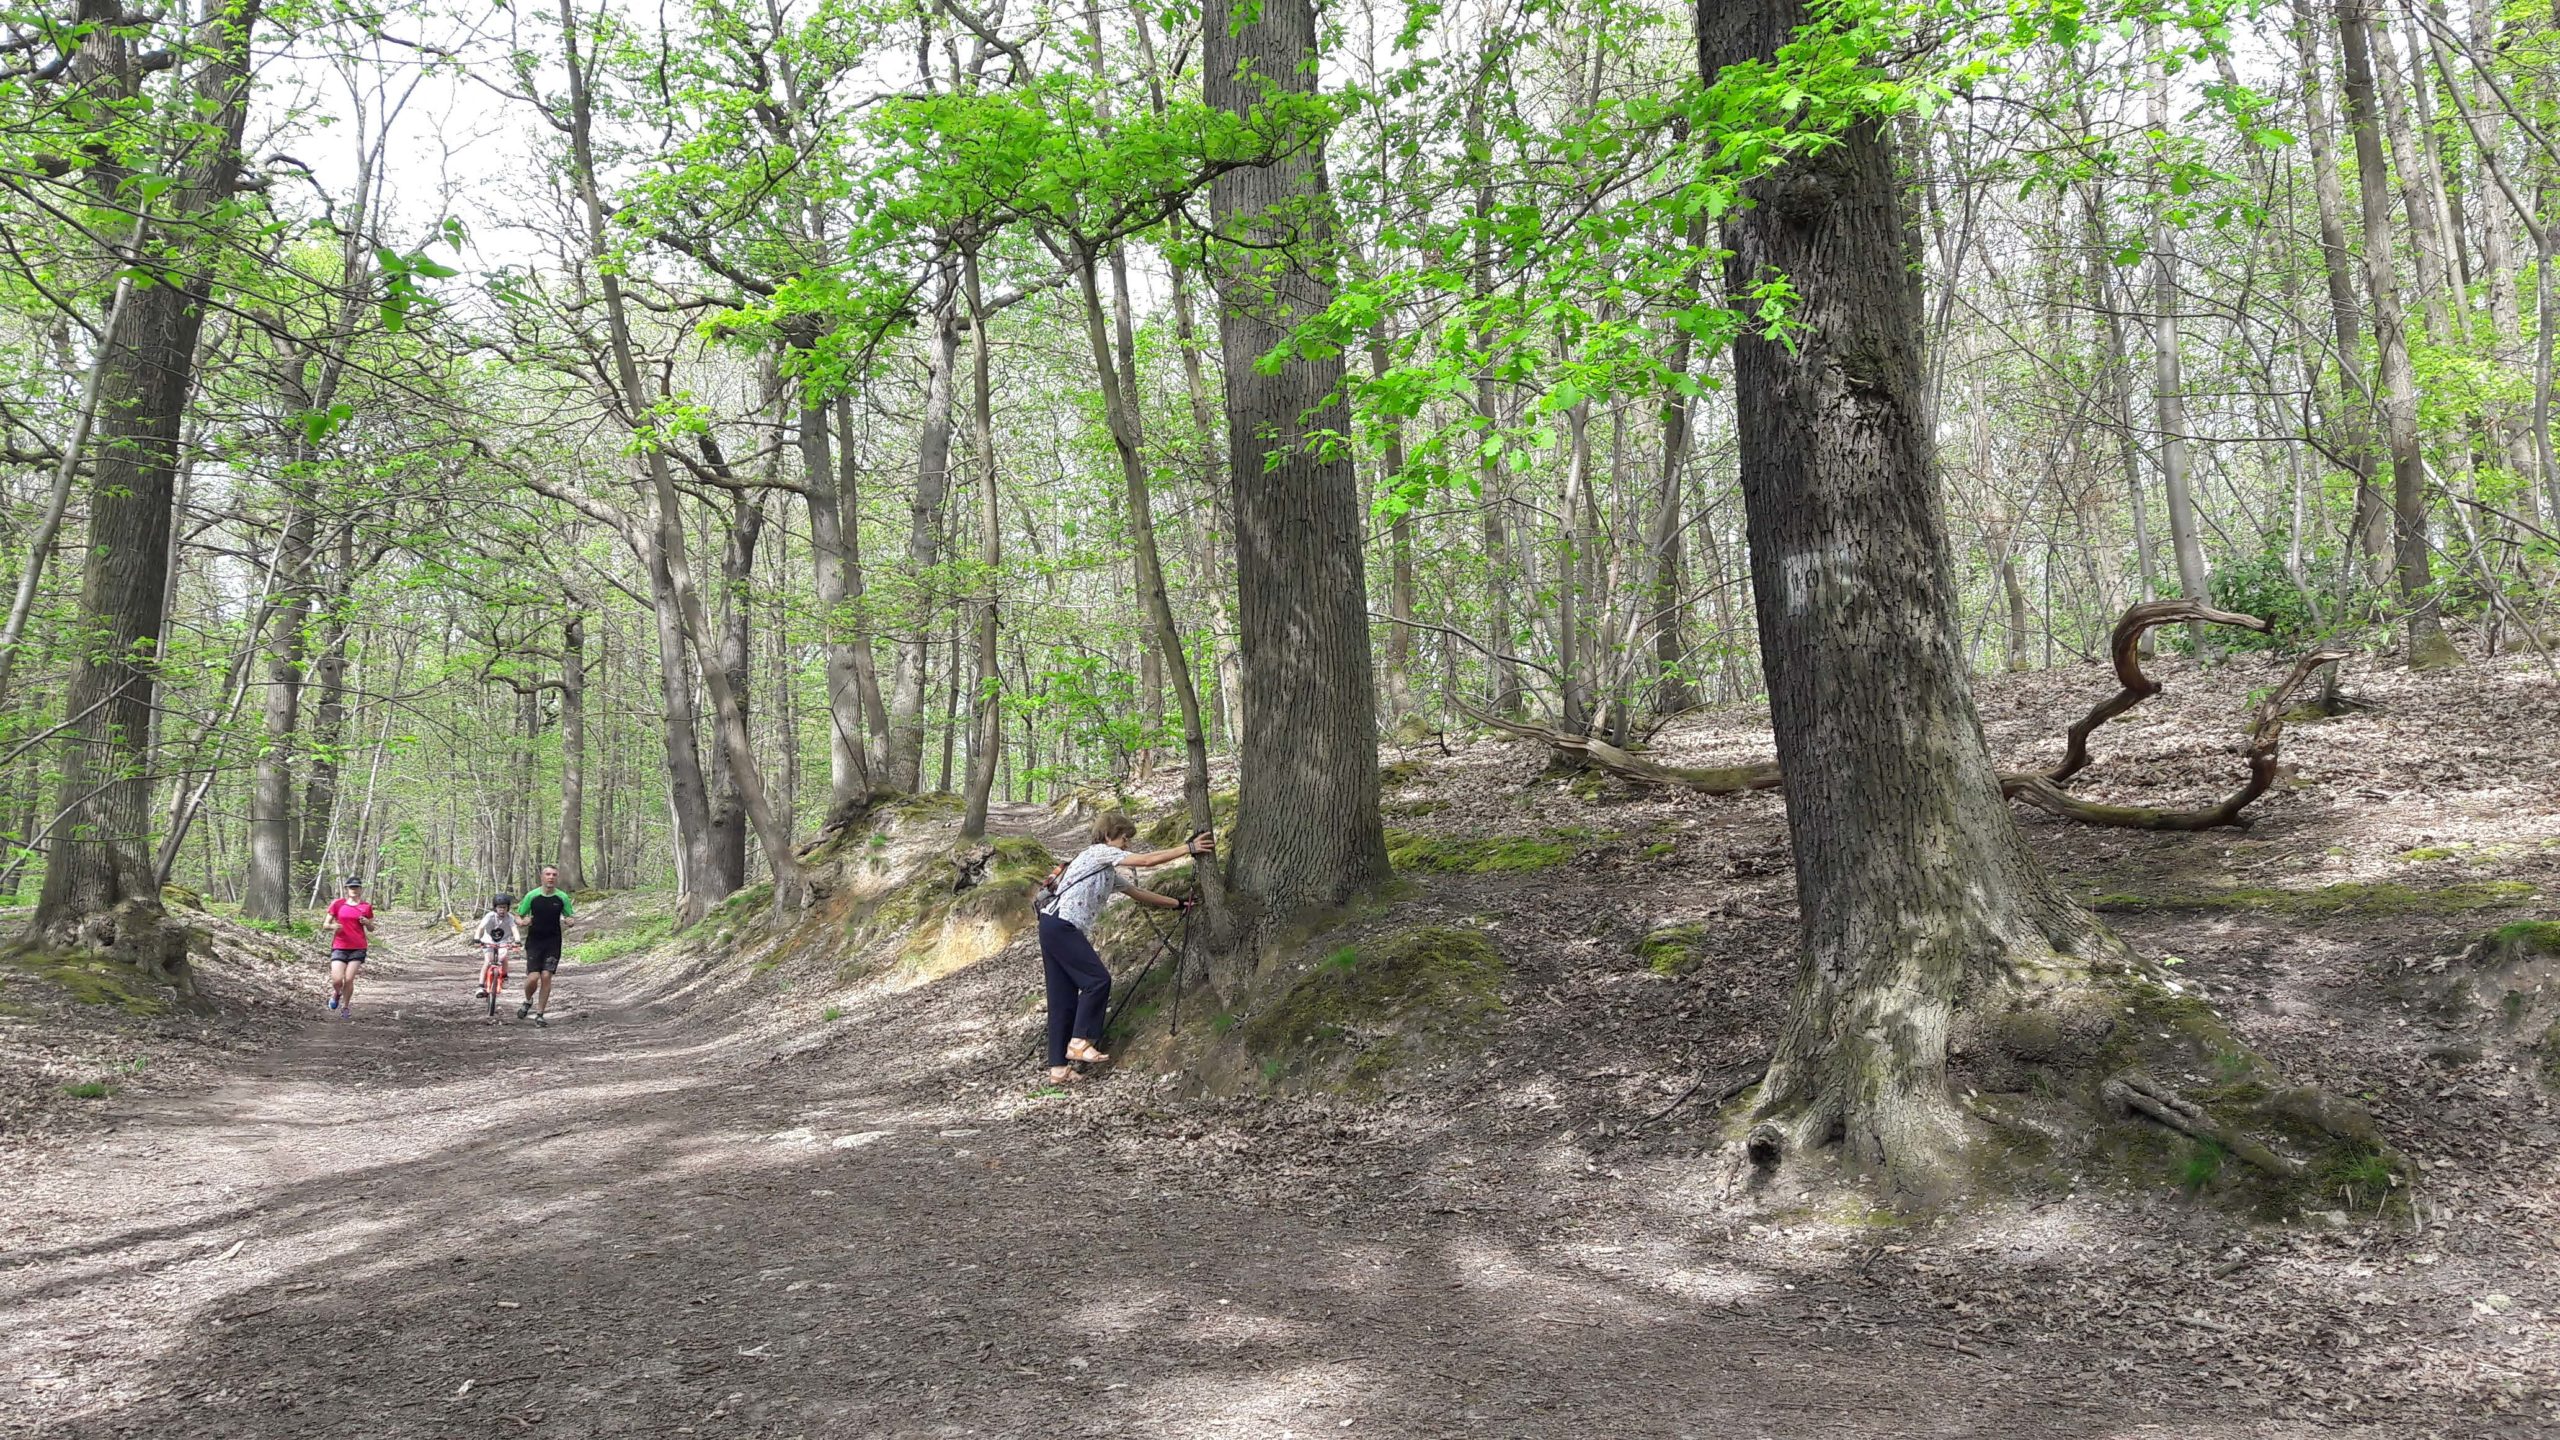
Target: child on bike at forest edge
(495, 932)
(351, 918)
(1079, 987)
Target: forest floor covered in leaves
(770, 1197)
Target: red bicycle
(493, 974)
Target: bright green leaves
(1052, 153)
(400, 274)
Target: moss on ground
(1673, 949)
(2354, 897)
(1174, 826)
(2533, 937)
(1365, 1012)
(90, 979)
(1488, 855)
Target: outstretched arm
(1149, 897)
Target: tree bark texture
(101, 857)
(1916, 890)
(1307, 830)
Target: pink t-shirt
(350, 915)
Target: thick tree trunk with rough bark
(99, 877)
(1918, 895)
(1307, 830)
(2426, 645)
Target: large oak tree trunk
(99, 876)
(1916, 889)
(1307, 831)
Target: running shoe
(333, 999)
(541, 1023)
(480, 994)
(524, 1009)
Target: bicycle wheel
(490, 982)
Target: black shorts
(346, 957)
(541, 954)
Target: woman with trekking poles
(1079, 986)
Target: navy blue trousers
(1079, 986)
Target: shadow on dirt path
(419, 1223)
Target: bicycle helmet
(501, 902)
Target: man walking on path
(546, 914)
(352, 915)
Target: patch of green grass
(88, 1090)
(641, 935)
(1223, 1021)
(2542, 936)
(834, 1013)
(1658, 850)
(2200, 1165)
(2433, 852)
(1273, 1067)
(2355, 1174)
(2354, 897)
(1346, 959)
(1673, 949)
(1492, 855)
(292, 927)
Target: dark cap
(356, 881)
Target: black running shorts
(346, 957)
(541, 954)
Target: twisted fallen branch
(2044, 792)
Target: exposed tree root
(2137, 686)
(1705, 780)
(2134, 1093)
(2266, 731)
(2045, 792)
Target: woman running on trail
(1079, 986)
(351, 922)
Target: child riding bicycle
(497, 934)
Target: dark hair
(1113, 825)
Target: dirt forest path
(417, 1223)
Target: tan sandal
(1083, 1050)
(1065, 1075)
